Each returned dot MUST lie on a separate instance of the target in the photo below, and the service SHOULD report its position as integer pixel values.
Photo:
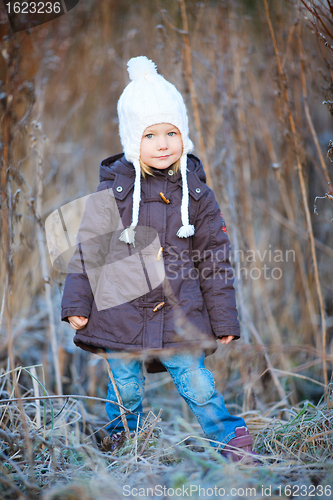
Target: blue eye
(149, 136)
(171, 134)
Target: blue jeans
(194, 383)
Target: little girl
(160, 192)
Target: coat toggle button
(164, 198)
(159, 253)
(158, 307)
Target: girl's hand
(77, 322)
(226, 340)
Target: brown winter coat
(199, 307)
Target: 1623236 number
(33, 7)
(304, 490)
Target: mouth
(162, 157)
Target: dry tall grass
(254, 75)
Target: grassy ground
(56, 449)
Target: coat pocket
(121, 325)
(191, 292)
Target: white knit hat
(148, 100)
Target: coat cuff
(228, 330)
(74, 311)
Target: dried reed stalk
(41, 235)
(115, 388)
(270, 367)
(152, 427)
(5, 205)
(303, 189)
(292, 227)
(307, 110)
(230, 161)
(285, 200)
(50, 397)
(241, 140)
(36, 394)
(11, 58)
(189, 74)
(194, 100)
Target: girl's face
(161, 145)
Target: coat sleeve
(92, 245)
(211, 254)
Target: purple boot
(238, 447)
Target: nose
(162, 143)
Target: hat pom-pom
(139, 67)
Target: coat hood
(117, 164)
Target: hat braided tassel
(187, 229)
(128, 235)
